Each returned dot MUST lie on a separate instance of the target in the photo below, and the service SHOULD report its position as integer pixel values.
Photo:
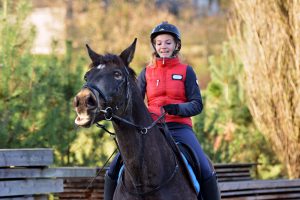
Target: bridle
(108, 111)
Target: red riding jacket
(165, 85)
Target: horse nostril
(75, 102)
(91, 102)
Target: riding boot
(210, 189)
(109, 187)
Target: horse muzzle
(87, 108)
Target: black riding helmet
(163, 28)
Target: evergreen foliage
(225, 128)
(36, 91)
(15, 74)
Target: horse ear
(128, 54)
(93, 55)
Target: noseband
(98, 94)
(108, 110)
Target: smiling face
(165, 45)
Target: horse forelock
(111, 60)
(107, 59)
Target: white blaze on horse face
(101, 66)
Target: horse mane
(112, 59)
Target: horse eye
(85, 77)
(117, 75)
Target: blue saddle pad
(192, 174)
(190, 170)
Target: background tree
(226, 126)
(15, 72)
(270, 51)
(36, 91)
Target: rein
(109, 116)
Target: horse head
(106, 90)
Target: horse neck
(143, 155)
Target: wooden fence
(25, 174)
(234, 180)
(21, 174)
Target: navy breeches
(183, 135)
(186, 136)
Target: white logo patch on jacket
(177, 77)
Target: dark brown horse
(152, 171)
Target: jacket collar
(165, 62)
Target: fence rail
(261, 189)
(26, 174)
(234, 171)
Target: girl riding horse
(173, 86)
